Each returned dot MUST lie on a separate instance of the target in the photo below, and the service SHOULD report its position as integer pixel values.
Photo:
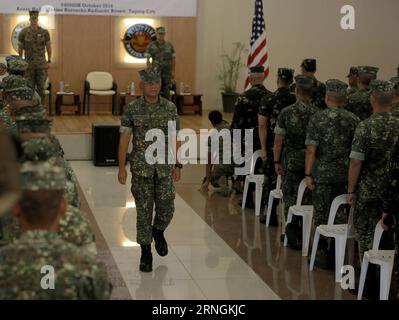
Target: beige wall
(297, 29)
(87, 43)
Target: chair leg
(289, 219)
(269, 209)
(258, 197)
(340, 246)
(113, 104)
(385, 280)
(306, 229)
(363, 273)
(88, 104)
(244, 195)
(314, 249)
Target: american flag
(258, 55)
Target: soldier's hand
(351, 198)
(310, 183)
(122, 176)
(176, 174)
(278, 169)
(263, 155)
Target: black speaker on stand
(105, 144)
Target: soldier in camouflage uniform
(352, 80)
(329, 140)
(246, 115)
(289, 146)
(269, 110)
(395, 104)
(151, 183)
(78, 275)
(217, 173)
(34, 41)
(372, 148)
(308, 68)
(163, 59)
(359, 102)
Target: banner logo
(137, 38)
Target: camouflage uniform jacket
(373, 144)
(331, 132)
(292, 124)
(34, 44)
(359, 104)
(395, 109)
(138, 118)
(247, 109)
(78, 275)
(270, 108)
(75, 228)
(162, 56)
(352, 90)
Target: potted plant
(229, 71)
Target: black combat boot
(146, 258)
(160, 243)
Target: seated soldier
(217, 174)
(40, 265)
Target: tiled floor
(200, 264)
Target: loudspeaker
(105, 144)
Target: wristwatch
(178, 165)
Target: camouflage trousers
(38, 77)
(220, 170)
(165, 88)
(147, 192)
(289, 186)
(367, 214)
(322, 196)
(270, 178)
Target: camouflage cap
(285, 73)
(257, 69)
(14, 82)
(150, 75)
(34, 14)
(39, 149)
(3, 69)
(337, 86)
(304, 82)
(381, 85)
(18, 64)
(11, 58)
(161, 30)
(309, 64)
(353, 71)
(42, 175)
(368, 69)
(32, 119)
(395, 80)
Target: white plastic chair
(274, 194)
(384, 258)
(337, 231)
(258, 179)
(306, 212)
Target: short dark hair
(286, 82)
(40, 207)
(305, 92)
(215, 117)
(336, 97)
(383, 98)
(365, 78)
